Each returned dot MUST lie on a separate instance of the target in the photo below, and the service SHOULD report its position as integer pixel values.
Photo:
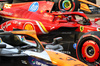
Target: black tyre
(94, 1)
(9, 1)
(68, 5)
(88, 48)
(55, 7)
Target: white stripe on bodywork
(40, 27)
(42, 55)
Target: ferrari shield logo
(81, 28)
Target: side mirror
(2, 45)
(57, 40)
(96, 19)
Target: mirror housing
(57, 40)
(96, 19)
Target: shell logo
(29, 27)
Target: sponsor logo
(7, 6)
(37, 62)
(29, 26)
(6, 13)
(6, 26)
(34, 7)
(40, 64)
(81, 28)
(33, 61)
(23, 62)
(0, 40)
(22, 38)
(74, 45)
(67, 52)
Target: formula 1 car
(16, 50)
(50, 24)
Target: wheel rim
(66, 4)
(90, 51)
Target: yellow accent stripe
(43, 27)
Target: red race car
(50, 24)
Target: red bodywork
(40, 17)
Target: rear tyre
(88, 48)
(68, 5)
(94, 1)
(77, 5)
(9, 1)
